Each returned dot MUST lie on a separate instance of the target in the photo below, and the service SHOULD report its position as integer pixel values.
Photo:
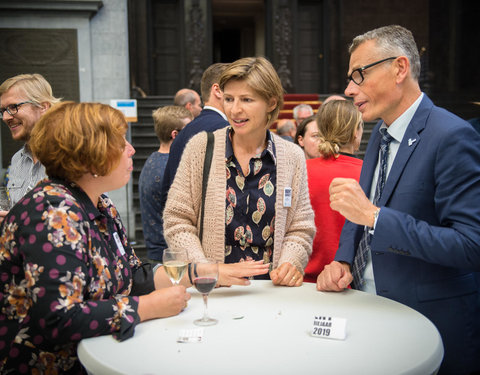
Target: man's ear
(402, 65)
(216, 91)
(44, 107)
(173, 134)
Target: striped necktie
(360, 260)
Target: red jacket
(329, 223)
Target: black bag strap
(206, 171)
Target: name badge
(190, 335)
(329, 327)
(287, 197)
(119, 243)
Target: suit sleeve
(348, 243)
(452, 237)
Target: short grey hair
(299, 107)
(286, 127)
(393, 40)
(184, 96)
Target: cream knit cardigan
(294, 226)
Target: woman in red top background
(341, 127)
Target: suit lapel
(410, 141)
(403, 154)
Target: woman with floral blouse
(67, 269)
(257, 206)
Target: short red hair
(72, 139)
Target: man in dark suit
(422, 235)
(210, 119)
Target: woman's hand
(287, 274)
(163, 302)
(238, 273)
(2, 215)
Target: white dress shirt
(397, 130)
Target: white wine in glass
(205, 279)
(175, 264)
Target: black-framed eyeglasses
(12, 109)
(357, 75)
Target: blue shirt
(149, 187)
(250, 206)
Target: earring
(95, 175)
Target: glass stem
(205, 313)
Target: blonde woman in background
(341, 127)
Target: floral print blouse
(67, 272)
(250, 206)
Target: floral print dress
(250, 207)
(67, 272)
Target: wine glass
(205, 278)
(5, 204)
(175, 264)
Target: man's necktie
(360, 260)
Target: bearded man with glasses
(23, 100)
(412, 232)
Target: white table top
(273, 337)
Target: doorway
(238, 29)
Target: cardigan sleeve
(299, 230)
(182, 209)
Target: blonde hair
(261, 76)
(72, 139)
(169, 118)
(338, 122)
(34, 87)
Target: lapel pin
(411, 141)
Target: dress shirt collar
(398, 128)
(25, 152)
(216, 110)
(270, 149)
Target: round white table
(266, 329)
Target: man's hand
(348, 198)
(335, 277)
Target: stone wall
(101, 29)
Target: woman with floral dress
(67, 271)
